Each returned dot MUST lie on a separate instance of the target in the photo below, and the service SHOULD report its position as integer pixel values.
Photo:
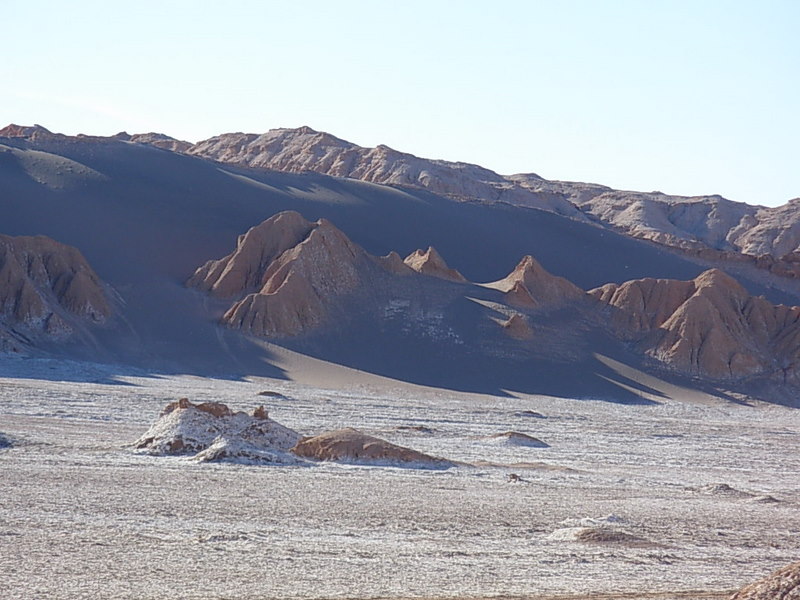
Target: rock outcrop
(353, 446)
(699, 223)
(709, 327)
(529, 285)
(518, 327)
(212, 431)
(783, 584)
(286, 273)
(160, 140)
(31, 132)
(243, 271)
(45, 285)
(305, 150)
(431, 263)
(283, 275)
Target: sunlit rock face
(48, 287)
(709, 327)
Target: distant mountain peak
(24, 131)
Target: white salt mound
(211, 431)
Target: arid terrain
(677, 499)
(452, 383)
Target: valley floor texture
(665, 501)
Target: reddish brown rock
(159, 140)
(43, 282)
(518, 327)
(217, 409)
(393, 263)
(710, 326)
(244, 269)
(783, 584)
(284, 272)
(529, 285)
(351, 445)
(25, 131)
(304, 150)
(431, 263)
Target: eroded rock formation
(283, 274)
(431, 263)
(783, 584)
(44, 284)
(529, 285)
(709, 327)
(303, 150)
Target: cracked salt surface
(83, 516)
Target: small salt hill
(211, 431)
(352, 446)
(515, 438)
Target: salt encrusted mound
(352, 446)
(430, 262)
(529, 285)
(783, 584)
(43, 284)
(709, 327)
(515, 438)
(211, 431)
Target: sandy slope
(146, 218)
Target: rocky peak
(243, 271)
(25, 131)
(393, 263)
(530, 285)
(431, 263)
(159, 140)
(286, 271)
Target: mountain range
(216, 258)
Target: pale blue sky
(684, 97)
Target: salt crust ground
(82, 516)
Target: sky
(685, 97)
